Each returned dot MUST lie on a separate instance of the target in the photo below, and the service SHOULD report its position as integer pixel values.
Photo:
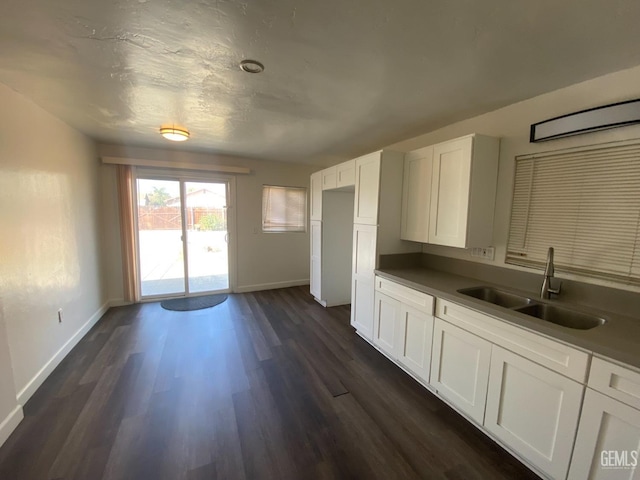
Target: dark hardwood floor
(267, 385)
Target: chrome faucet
(547, 290)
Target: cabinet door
(450, 192)
(386, 324)
(346, 174)
(316, 259)
(416, 195)
(460, 368)
(533, 410)
(316, 196)
(367, 189)
(329, 178)
(607, 442)
(415, 340)
(363, 278)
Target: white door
(608, 440)
(450, 192)
(386, 324)
(316, 259)
(365, 209)
(364, 264)
(460, 368)
(416, 339)
(416, 195)
(533, 410)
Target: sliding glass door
(182, 236)
(207, 236)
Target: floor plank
(267, 385)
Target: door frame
(183, 176)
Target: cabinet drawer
(408, 296)
(561, 358)
(615, 381)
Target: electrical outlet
(487, 253)
(59, 315)
(483, 252)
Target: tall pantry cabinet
(376, 229)
(331, 228)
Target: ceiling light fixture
(251, 66)
(174, 134)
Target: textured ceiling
(343, 77)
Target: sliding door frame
(183, 176)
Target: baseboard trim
(321, 302)
(10, 423)
(271, 286)
(117, 302)
(39, 378)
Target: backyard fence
(168, 218)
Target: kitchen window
(284, 209)
(584, 202)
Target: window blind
(284, 209)
(585, 203)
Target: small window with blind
(584, 202)
(284, 209)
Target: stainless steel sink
(562, 316)
(496, 297)
(566, 317)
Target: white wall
(50, 252)
(512, 125)
(264, 260)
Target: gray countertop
(617, 339)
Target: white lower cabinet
(386, 325)
(529, 401)
(533, 410)
(460, 368)
(416, 339)
(608, 440)
(404, 333)
(403, 326)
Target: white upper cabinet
(416, 195)
(329, 178)
(367, 189)
(449, 208)
(449, 192)
(346, 174)
(316, 196)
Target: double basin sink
(563, 316)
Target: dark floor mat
(193, 303)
